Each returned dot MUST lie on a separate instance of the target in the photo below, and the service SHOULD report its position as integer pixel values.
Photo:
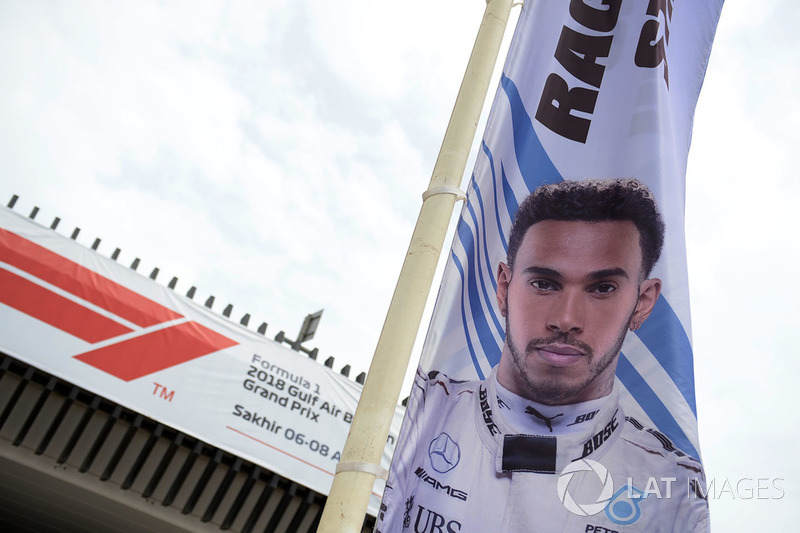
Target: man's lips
(559, 354)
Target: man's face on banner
(575, 290)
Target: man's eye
(605, 288)
(542, 284)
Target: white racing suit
(460, 468)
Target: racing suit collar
(528, 416)
(519, 452)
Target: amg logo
(450, 491)
(487, 412)
(600, 437)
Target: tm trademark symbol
(163, 392)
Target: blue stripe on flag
(664, 336)
(653, 406)
(500, 231)
(485, 246)
(464, 319)
(498, 327)
(510, 198)
(534, 164)
(485, 336)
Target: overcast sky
(273, 154)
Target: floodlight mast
(355, 475)
(307, 330)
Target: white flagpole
(355, 477)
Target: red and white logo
(135, 336)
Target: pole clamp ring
(444, 189)
(358, 466)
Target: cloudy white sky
(273, 154)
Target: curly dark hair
(593, 201)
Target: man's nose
(566, 313)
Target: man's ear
(503, 279)
(649, 291)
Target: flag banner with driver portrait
(591, 90)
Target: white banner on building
(589, 90)
(84, 318)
